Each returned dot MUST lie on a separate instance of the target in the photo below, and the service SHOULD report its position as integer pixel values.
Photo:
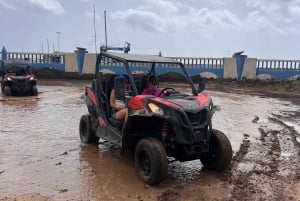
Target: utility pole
(58, 33)
(48, 45)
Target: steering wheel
(165, 89)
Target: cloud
(198, 18)
(216, 17)
(162, 5)
(6, 5)
(140, 19)
(52, 6)
(90, 15)
(295, 11)
(265, 5)
(256, 22)
(152, 21)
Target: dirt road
(41, 157)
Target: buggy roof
(140, 58)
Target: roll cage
(16, 67)
(125, 59)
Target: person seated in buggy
(118, 109)
(152, 87)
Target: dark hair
(126, 78)
(153, 80)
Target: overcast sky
(266, 29)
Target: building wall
(249, 71)
(230, 68)
(80, 62)
(71, 62)
(89, 63)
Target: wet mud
(42, 158)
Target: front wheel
(87, 136)
(7, 91)
(151, 160)
(220, 152)
(34, 91)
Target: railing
(281, 69)
(278, 64)
(190, 62)
(57, 58)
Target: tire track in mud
(269, 168)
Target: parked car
(177, 125)
(18, 79)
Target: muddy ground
(41, 157)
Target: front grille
(19, 85)
(199, 122)
(201, 117)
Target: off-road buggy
(18, 79)
(177, 126)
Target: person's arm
(112, 101)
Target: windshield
(17, 70)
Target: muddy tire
(87, 136)
(151, 161)
(7, 91)
(34, 91)
(220, 153)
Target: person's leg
(121, 114)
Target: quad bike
(18, 79)
(178, 125)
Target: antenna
(95, 29)
(105, 28)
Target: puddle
(41, 153)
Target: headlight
(155, 109)
(9, 78)
(31, 78)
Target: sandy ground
(41, 157)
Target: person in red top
(152, 87)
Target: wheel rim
(84, 131)
(145, 163)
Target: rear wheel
(87, 136)
(7, 91)
(151, 160)
(220, 152)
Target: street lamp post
(58, 33)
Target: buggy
(18, 79)
(177, 125)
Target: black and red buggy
(18, 79)
(176, 126)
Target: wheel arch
(138, 127)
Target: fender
(91, 95)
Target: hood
(188, 103)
